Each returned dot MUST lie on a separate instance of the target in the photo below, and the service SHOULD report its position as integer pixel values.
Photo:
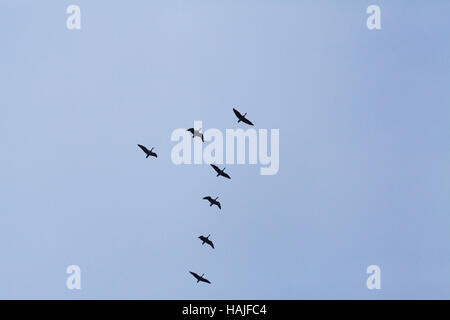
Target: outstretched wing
(195, 275)
(191, 130)
(207, 198)
(203, 140)
(216, 168)
(247, 121)
(237, 113)
(225, 175)
(143, 148)
(155, 155)
(205, 280)
(218, 204)
(210, 243)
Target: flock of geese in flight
(220, 172)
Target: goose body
(148, 152)
(196, 133)
(213, 201)
(206, 240)
(242, 117)
(199, 278)
(220, 172)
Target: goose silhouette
(242, 117)
(148, 152)
(220, 172)
(206, 240)
(199, 278)
(213, 201)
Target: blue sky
(364, 157)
